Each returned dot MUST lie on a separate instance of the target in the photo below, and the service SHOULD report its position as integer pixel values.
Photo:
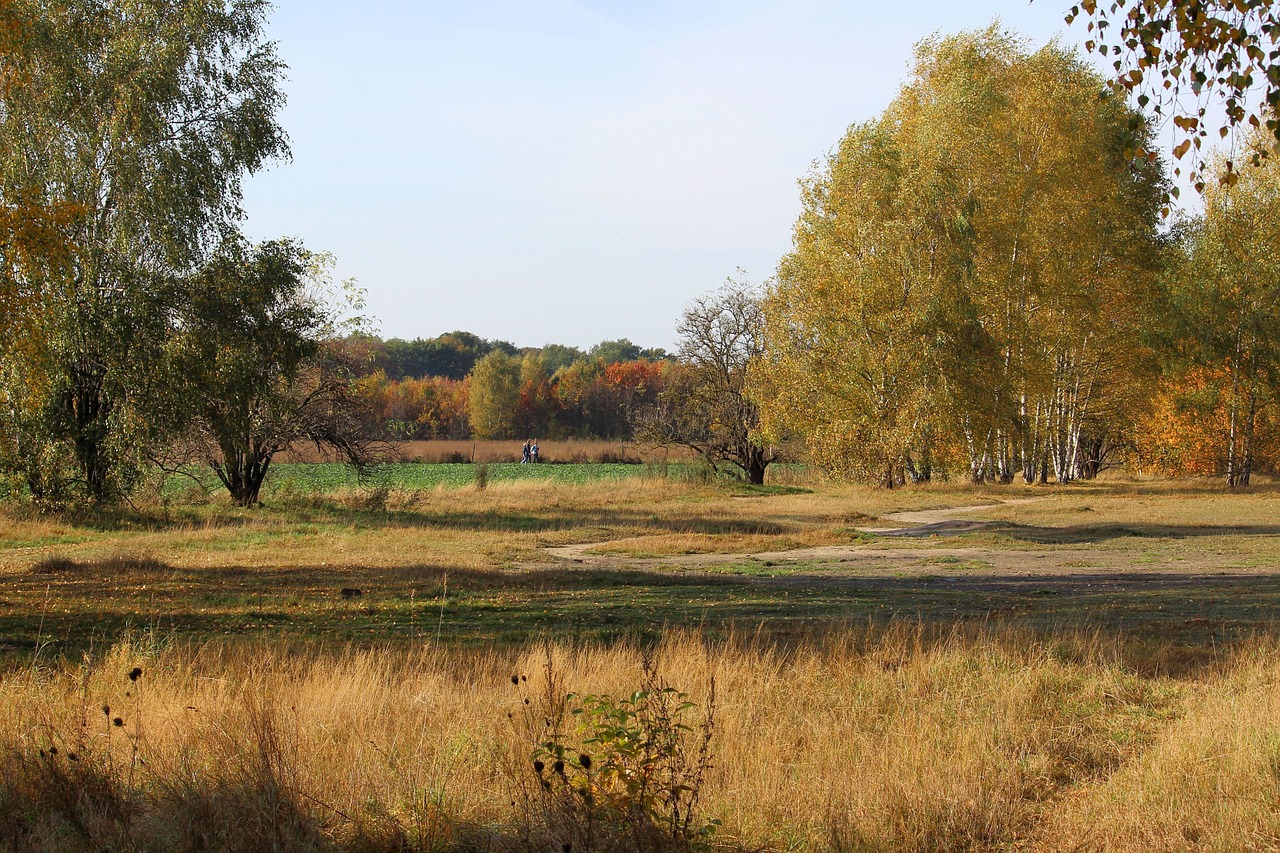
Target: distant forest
(459, 385)
(454, 354)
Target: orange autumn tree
(442, 406)
(634, 384)
(1182, 433)
(1225, 386)
(433, 407)
(536, 404)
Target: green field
(318, 478)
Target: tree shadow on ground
(1080, 534)
(553, 519)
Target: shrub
(632, 778)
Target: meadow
(556, 451)
(320, 478)
(379, 666)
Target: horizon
(529, 173)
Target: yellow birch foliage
(970, 272)
(1227, 294)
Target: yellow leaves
(954, 252)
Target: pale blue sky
(560, 171)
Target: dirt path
(934, 522)
(916, 523)
(1078, 564)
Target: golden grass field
(1094, 669)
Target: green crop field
(319, 478)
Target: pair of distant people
(530, 451)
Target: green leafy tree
(256, 357)
(612, 352)
(142, 118)
(495, 396)
(558, 356)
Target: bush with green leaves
(631, 777)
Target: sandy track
(933, 522)
(1080, 563)
(868, 561)
(917, 523)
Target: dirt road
(1023, 557)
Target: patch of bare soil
(1049, 559)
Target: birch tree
(1181, 57)
(495, 396)
(971, 273)
(1228, 296)
(142, 118)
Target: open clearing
(593, 557)
(938, 668)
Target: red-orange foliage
(1187, 430)
(588, 399)
(431, 407)
(640, 377)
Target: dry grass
(906, 738)
(1210, 780)
(851, 741)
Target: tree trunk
(755, 465)
(1232, 466)
(243, 474)
(1247, 433)
(89, 408)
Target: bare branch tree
(704, 405)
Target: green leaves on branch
(128, 128)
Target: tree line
(453, 355)
(984, 284)
(460, 386)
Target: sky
(571, 171)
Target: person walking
(533, 452)
(527, 452)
